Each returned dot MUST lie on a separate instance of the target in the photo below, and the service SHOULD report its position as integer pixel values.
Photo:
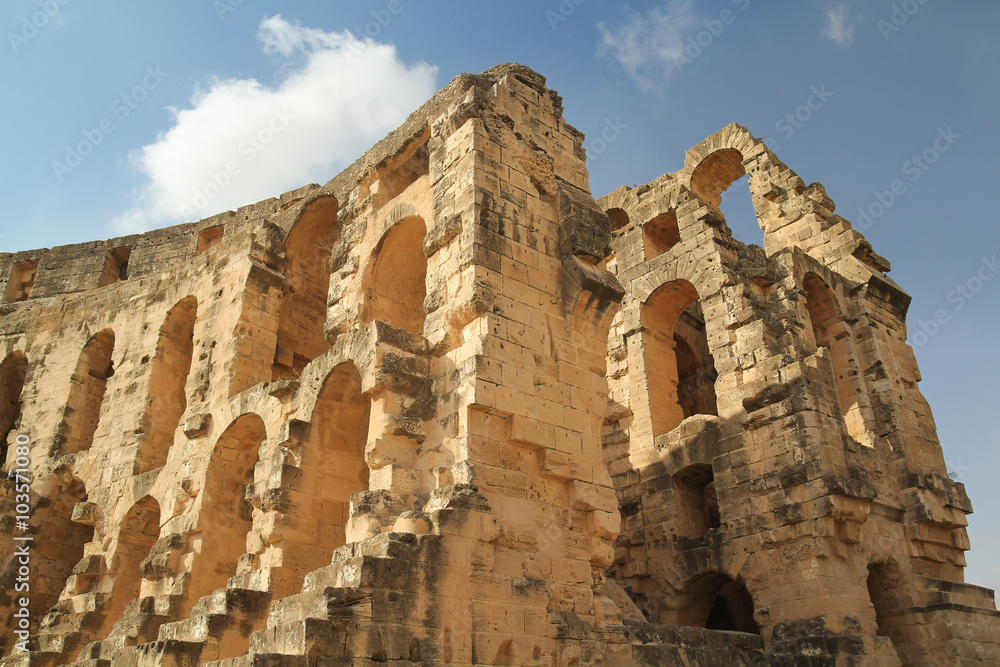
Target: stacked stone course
(449, 409)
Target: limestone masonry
(449, 409)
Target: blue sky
(116, 116)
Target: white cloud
(241, 141)
(650, 47)
(839, 26)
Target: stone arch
(398, 278)
(822, 307)
(394, 183)
(355, 347)
(330, 466)
(715, 173)
(86, 394)
(829, 329)
(166, 400)
(660, 234)
(140, 528)
(308, 248)
(619, 218)
(225, 517)
(65, 538)
(673, 312)
(703, 273)
(715, 163)
(12, 373)
(715, 601)
(884, 583)
(720, 160)
(58, 547)
(392, 176)
(895, 616)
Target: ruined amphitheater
(450, 409)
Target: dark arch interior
(307, 282)
(331, 467)
(139, 531)
(719, 602)
(89, 383)
(167, 399)
(12, 372)
(660, 234)
(226, 516)
(399, 280)
(678, 362)
(697, 501)
(732, 609)
(618, 217)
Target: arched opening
(697, 501)
(894, 610)
(225, 518)
(881, 593)
(88, 385)
(393, 179)
(57, 547)
(830, 330)
(738, 210)
(618, 217)
(399, 277)
(824, 313)
(332, 467)
(660, 234)
(695, 377)
(167, 397)
(680, 371)
(21, 280)
(12, 371)
(715, 601)
(62, 545)
(115, 266)
(139, 531)
(397, 173)
(713, 181)
(715, 174)
(308, 248)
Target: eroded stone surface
(448, 408)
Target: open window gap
(737, 208)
